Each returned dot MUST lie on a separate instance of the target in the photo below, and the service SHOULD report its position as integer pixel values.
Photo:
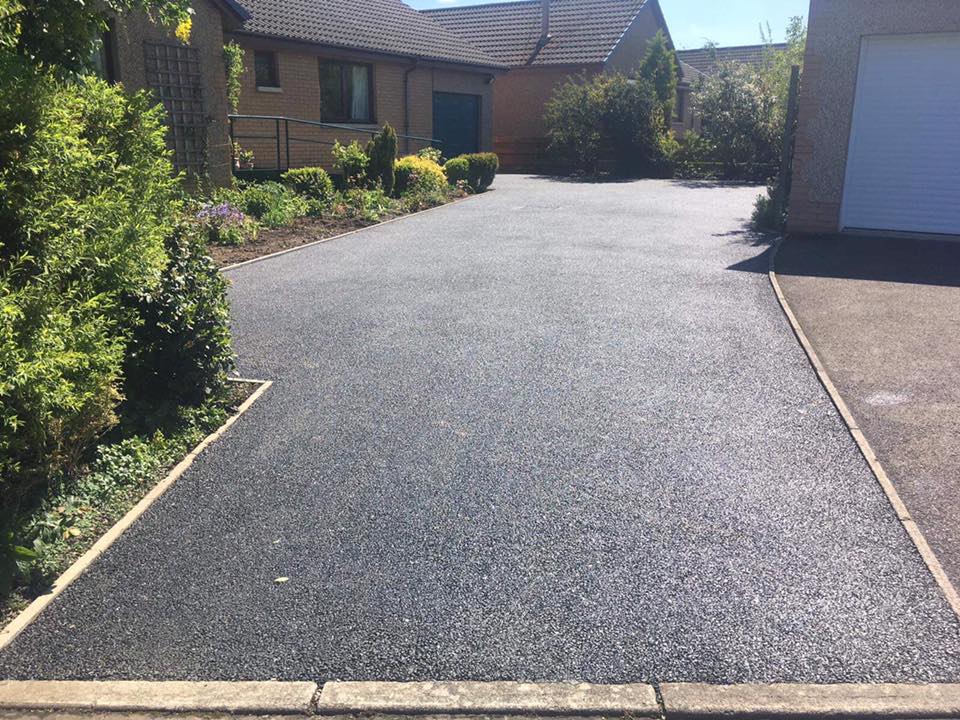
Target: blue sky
(693, 22)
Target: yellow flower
(183, 31)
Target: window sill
(268, 89)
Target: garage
(456, 122)
(903, 162)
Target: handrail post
(279, 168)
(286, 137)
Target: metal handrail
(277, 119)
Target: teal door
(456, 123)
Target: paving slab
(560, 432)
(881, 312)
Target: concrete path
(559, 431)
(883, 315)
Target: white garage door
(903, 167)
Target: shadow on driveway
(885, 259)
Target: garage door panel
(903, 165)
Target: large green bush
(180, 352)
(609, 115)
(740, 122)
(382, 151)
(87, 199)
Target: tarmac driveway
(559, 431)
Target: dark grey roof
(382, 26)
(706, 59)
(582, 31)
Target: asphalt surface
(558, 431)
(882, 315)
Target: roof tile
(581, 31)
(383, 26)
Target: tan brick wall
(207, 36)
(299, 97)
(827, 94)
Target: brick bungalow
(544, 42)
(878, 142)
(705, 60)
(359, 64)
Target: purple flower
(222, 214)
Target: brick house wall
(519, 101)
(521, 96)
(828, 90)
(131, 35)
(298, 69)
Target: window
(346, 92)
(265, 69)
(102, 62)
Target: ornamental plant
(224, 224)
(382, 151)
(418, 174)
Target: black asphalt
(559, 431)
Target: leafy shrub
(739, 120)
(223, 224)
(430, 153)
(312, 183)
(273, 204)
(481, 170)
(770, 211)
(417, 174)
(457, 170)
(587, 118)
(351, 162)
(692, 158)
(382, 151)
(180, 352)
(88, 197)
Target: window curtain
(360, 92)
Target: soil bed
(300, 232)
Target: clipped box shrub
(478, 169)
(457, 170)
(417, 174)
(313, 183)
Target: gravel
(560, 431)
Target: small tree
(659, 66)
(382, 151)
